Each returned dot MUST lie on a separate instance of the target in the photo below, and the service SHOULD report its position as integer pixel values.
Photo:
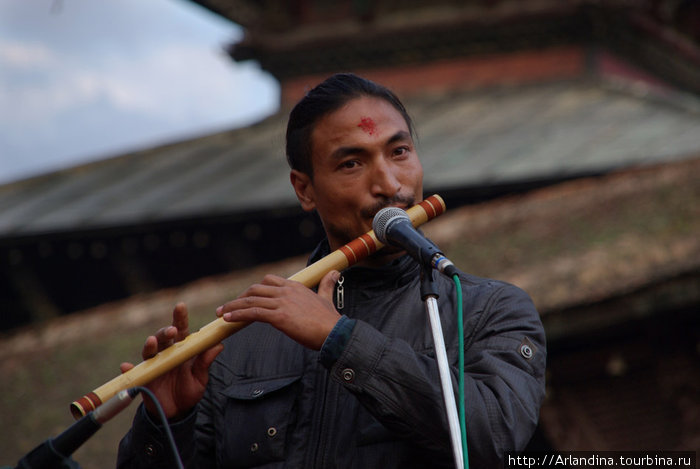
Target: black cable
(164, 421)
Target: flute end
(85, 405)
(433, 206)
(440, 201)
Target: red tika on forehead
(368, 125)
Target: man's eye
(400, 151)
(348, 164)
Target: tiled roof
(465, 139)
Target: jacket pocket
(370, 431)
(259, 414)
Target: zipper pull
(340, 293)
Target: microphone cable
(164, 421)
(461, 410)
(460, 332)
(462, 416)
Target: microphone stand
(429, 295)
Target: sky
(82, 80)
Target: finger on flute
(217, 330)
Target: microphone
(55, 452)
(392, 226)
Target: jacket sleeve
(504, 378)
(146, 445)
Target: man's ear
(304, 189)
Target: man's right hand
(181, 388)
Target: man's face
(363, 160)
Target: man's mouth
(400, 201)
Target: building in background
(508, 95)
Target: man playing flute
(346, 376)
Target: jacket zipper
(340, 293)
(316, 455)
(319, 459)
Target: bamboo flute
(217, 330)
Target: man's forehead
(368, 125)
(368, 113)
(370, 117)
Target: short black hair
(329, 96)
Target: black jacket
(271, 403)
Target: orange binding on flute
(217, 330)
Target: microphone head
(385, 218)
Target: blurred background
(142, 164)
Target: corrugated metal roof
(231, 171)
(558, 129)
(465, 139)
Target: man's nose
(385, 181)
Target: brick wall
(465, 73)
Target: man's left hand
(289, 306)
